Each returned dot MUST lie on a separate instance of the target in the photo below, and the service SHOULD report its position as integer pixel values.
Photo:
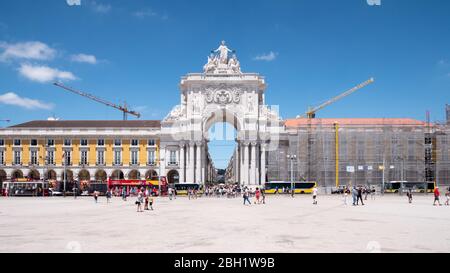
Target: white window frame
(86, 158)
(136, 152)
(19, 153)
(100, 159)
(117, 159)
(36, 158)
(151, 160)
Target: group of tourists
(259, 193)
(357, 193)
(144, 200)
(229, 191)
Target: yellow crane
(123, 108)
(311, 114)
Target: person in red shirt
(436, 196)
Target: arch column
(198, 163)
(263, 164)
(191, 163)
(182, 168)
(253, 164)
(236, 164)
(246, 165)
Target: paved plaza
(386, 224)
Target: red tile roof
(90, 124)
(354, 121)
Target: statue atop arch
(220, 63)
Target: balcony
(172, 164)
(134, 164)
(152, 163)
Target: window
(68, 157)
(134, 142)
(17, 159)
(151, 142)
(17, 142)
(100, 158)
(100, 142)
(33, 158)
(117, 142)
(173, 158)
(2, 157)
(84, 157)
(67, 142)
(51, 158)
(151, 158)
(50, 142)
(2, 142)
(84, 142)
(134, 157)
(117, 157)
(33, 142)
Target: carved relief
(222, 95)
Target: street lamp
(292, 158)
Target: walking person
(257, 196)
(146, 201)
(246, 197)
(170, 191)
(263, 195)
(124, 194)
(150, 202)
(346, 191)
(447, 197)
(139, 202)
(354, 195)
(359, 197)
(437, 194)
(96, 196)
(372, 193)
(315, 196)
(409, 195)
(108, 196)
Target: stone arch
(16, 174)
(117, 175)
(84, 175)
(134, 175)
(69, 175)
(221, 116)
(50, 175)
(100, 175)
(173, 177)
(34, 175)
(151, 175)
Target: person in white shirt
(315, 196)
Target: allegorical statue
(211, 65)
(223, 53)
(234, 65)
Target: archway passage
(16, 174)
(151, 175)
(117, 175)
(2, 177)
(50, 175)
(68, 175)
(134, 175)
(173, 177)
(34, 175)
(101, 176)
(84, 175)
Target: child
(257, 195)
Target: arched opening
(2, 177)
(151, 175)
(50, 175)
(101, 176)
(134, 175)
(173, 177)
(16, 174)
(68, 175)
(84, 175)
(34, 175)
(117, 175)
(221, 131)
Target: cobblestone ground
(386, 224)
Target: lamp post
(292, 158)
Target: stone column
(198, 164)
(191, 163)
(241, 164)
(246, 164)
(263, 164)
(182, 169)
(253, 164)
(204, 163)
(236, 164)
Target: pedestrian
(146, 202)
(372, 193)
(257, 195)
(315, 196)
(366, 192)
(263, 195)
(246, 197)
(96, 196)
(74, 189)
(170, 191)
(436, 196)
(359, 197)
(354, 195)
(345, 195)
(139, 202)
(409, 195)
(447, 197)
(150, 201)
(108, 196)
(124, 194)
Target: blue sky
(308, 51)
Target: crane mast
(123, 108)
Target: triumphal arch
(221, 93)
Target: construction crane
(5, 120)
(123, 108)
(311, 113)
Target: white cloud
(13, 99)
(100, 8)
(26, 50)
(145, 13)
(84, 58)
(271, 56)
(44, 74)
(73, 2)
